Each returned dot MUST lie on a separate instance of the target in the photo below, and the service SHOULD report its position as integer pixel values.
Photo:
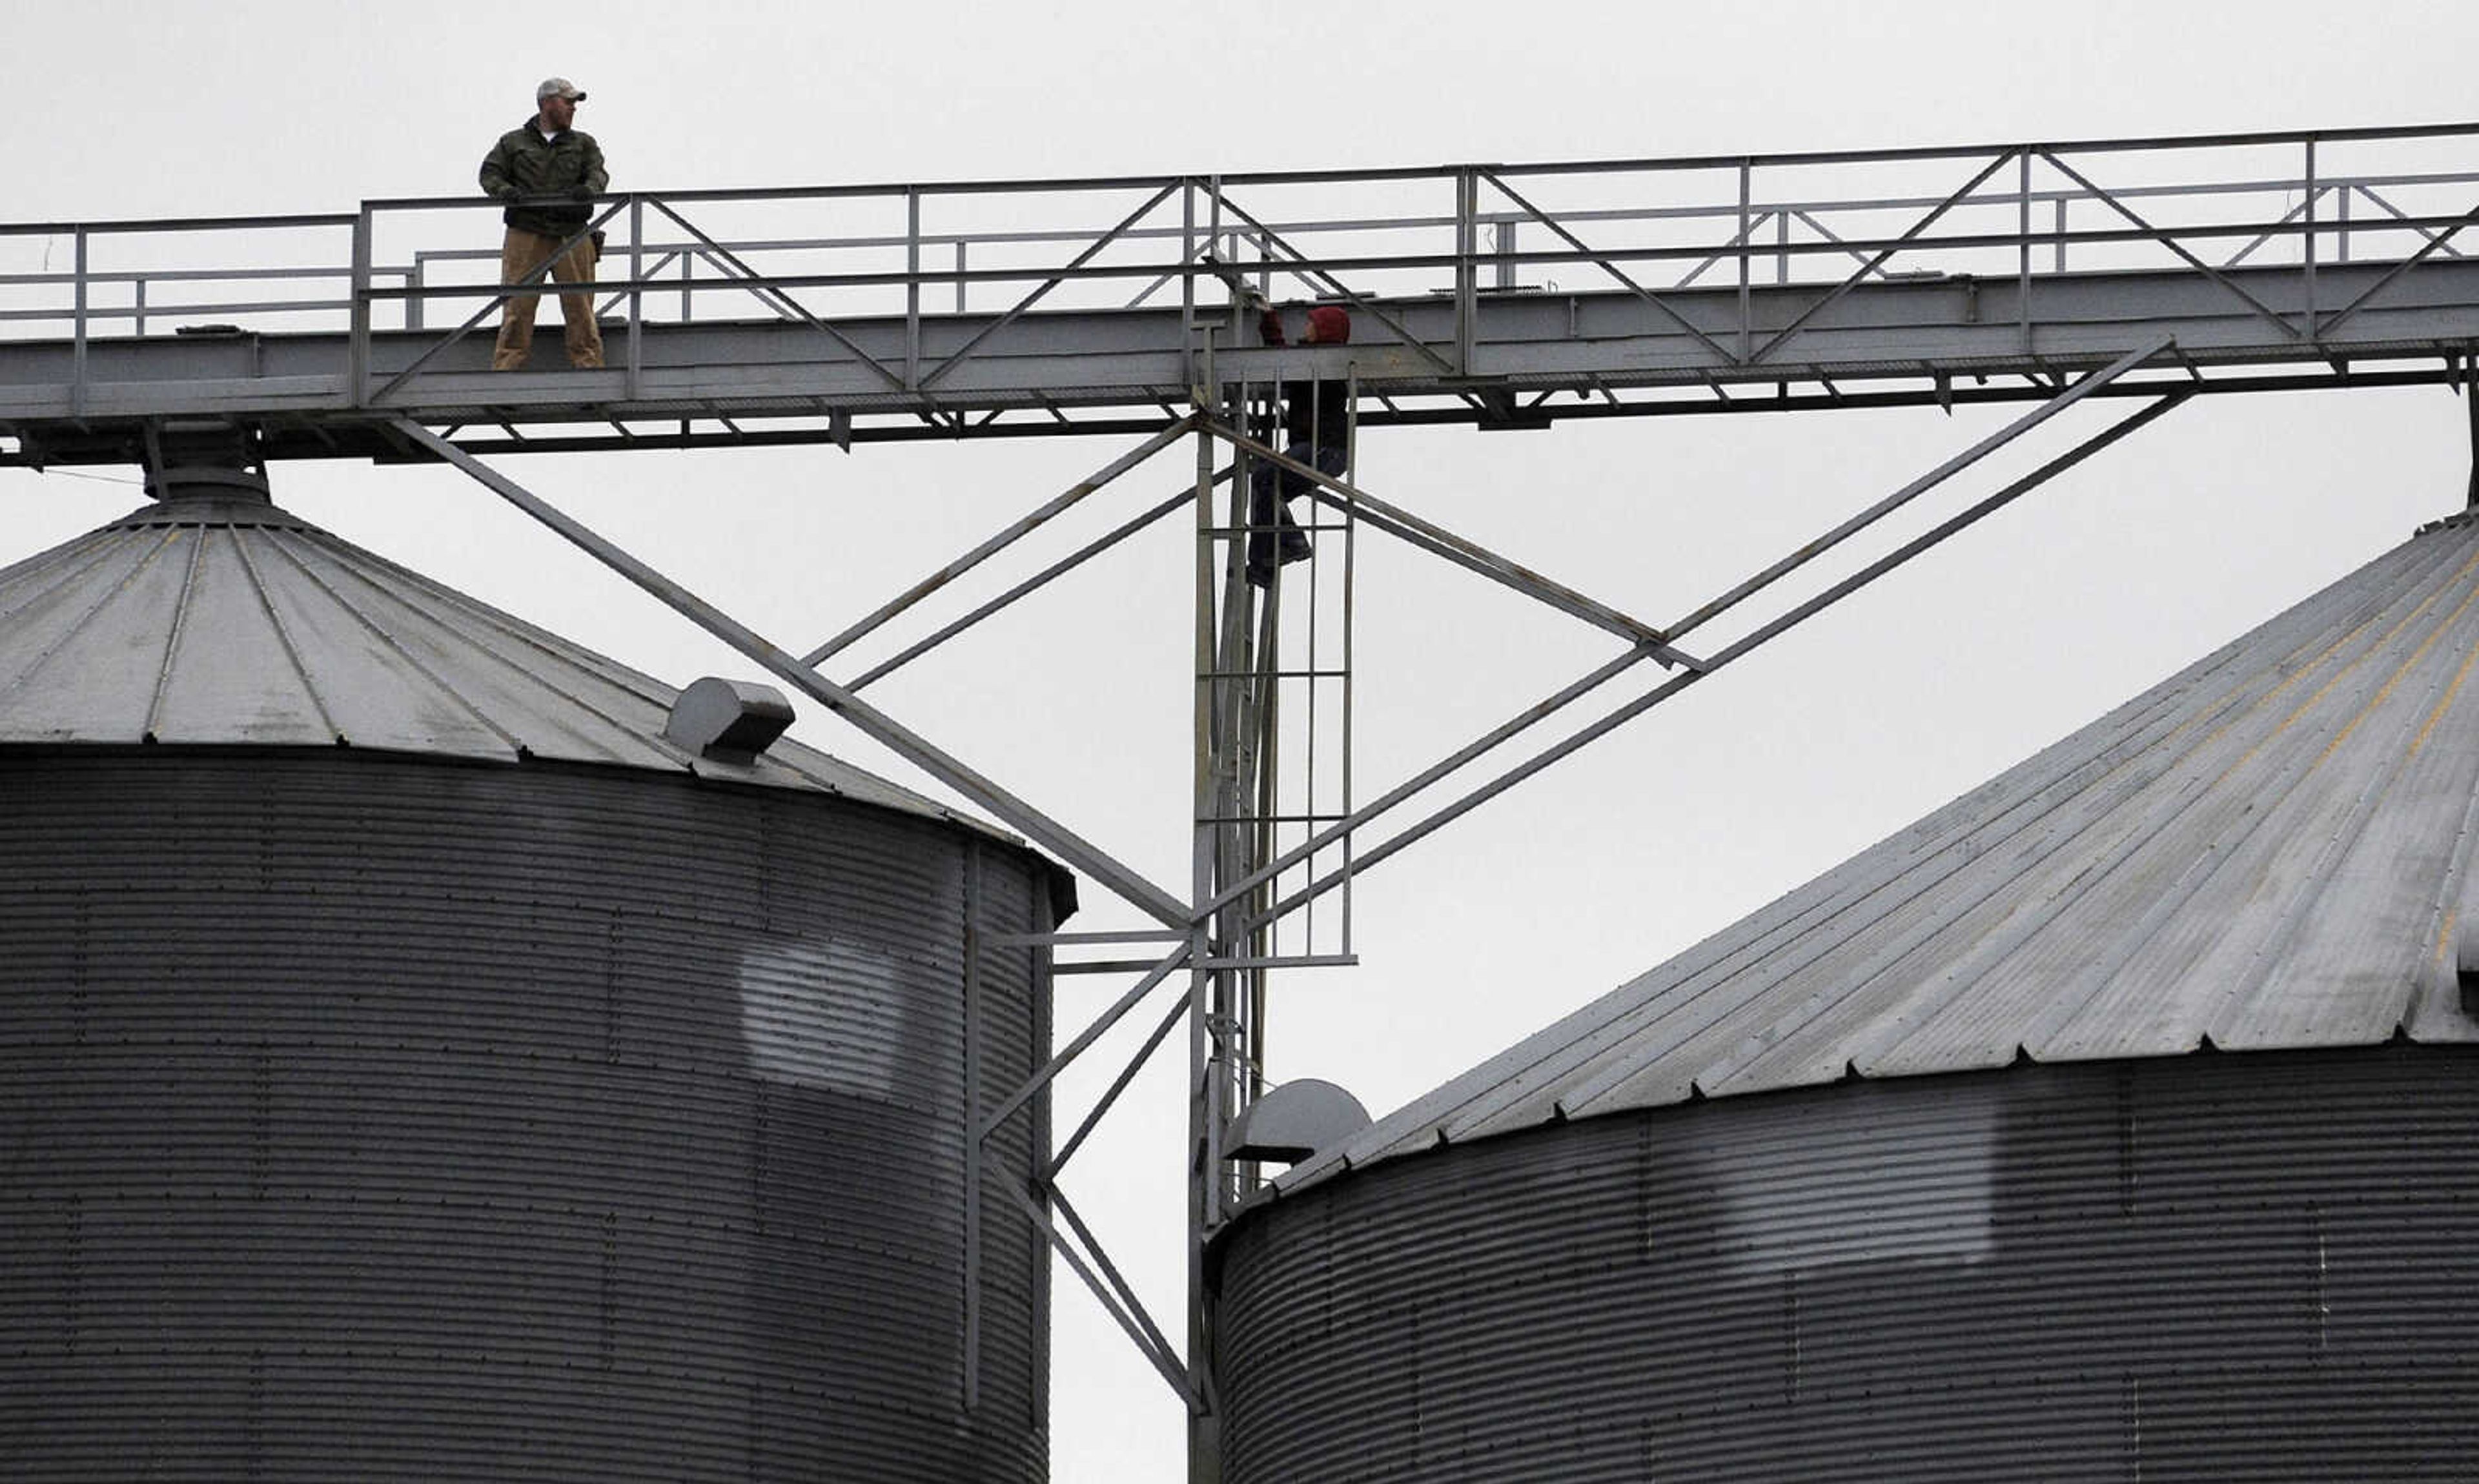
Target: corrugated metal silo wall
(385, 1118)
(2259, 1267)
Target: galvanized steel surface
(1831, 277)
(229, 621)
(375, 1116)
(2270, 850)
(2240, 1268)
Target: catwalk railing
(1482, 293)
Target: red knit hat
(1330, 324)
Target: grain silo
(430, 1050)
(2118, 1121)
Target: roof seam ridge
(371, 628)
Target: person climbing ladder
(1316, 423)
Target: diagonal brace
(1009, 537)
(1040, 292)
(1102, 1023)
(1072, 560)
(2399, 215)
(1873, 263)
(1771, 630)
(1469, 553)
(1485, 742)
(1139, 1325)
(782, 300)
(1303, 265)
(1179, 1011)
(873, 723)
(541, 271)
(1608, 267)
(2172, 244)
(1923, 484)
(2435, 244)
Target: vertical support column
(2311, 237)
(1351, 573)
(78, 324)
(1746, 251)
(2471, 406)
(2023, 265)
(1467, 267)
(1187, 275)
(1204, 1435)
(913, 288)
(357, 341)
(636, 368)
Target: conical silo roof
(2267, 851)
(216, 618)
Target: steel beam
(1058, 503)
(1764, 634)
(873, 723)
(1033, 1085)
(1594, 354)
(1466, 553)
(1922, 485)
(1138, 1325)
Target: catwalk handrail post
(1747, 264)
(357, 338)
(2309, 257)
(77, 353)
(1467, 269)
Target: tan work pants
(522, 253)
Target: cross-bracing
(2025, 273)
(1498, 295)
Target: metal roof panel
(221, 619)
(2270, 849)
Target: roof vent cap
(1295, 1120)
(727, 721)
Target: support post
(1746, 225)
(1467, 269)
(636, 370)
(78, 326)
(2470, 407)
(911, 288)
(2311, 237)
(357, 339)
(2023, 260)
(1204, 1435)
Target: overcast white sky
(2029, 626)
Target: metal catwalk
(1498, 295)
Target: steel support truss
(1209, 939)
(900, 311)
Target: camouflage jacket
(523, 165)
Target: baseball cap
(559, 87)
